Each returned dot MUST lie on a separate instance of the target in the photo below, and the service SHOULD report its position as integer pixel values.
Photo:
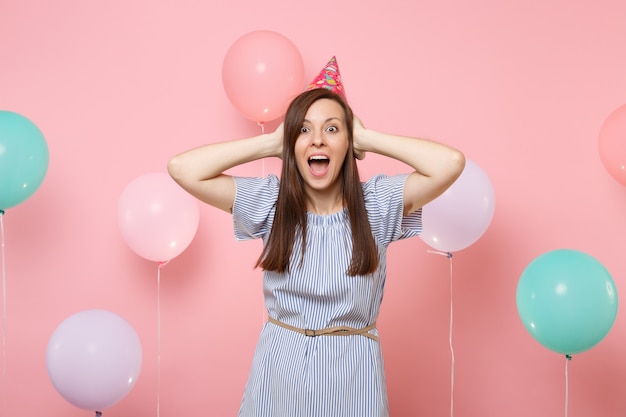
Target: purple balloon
(459, 217)
(93, 359)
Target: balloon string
(449, 256)
(4, 299)
(450, 342)
(158, 404)
(4, 309)
(263, 309)
(567, 359)
(262, 125)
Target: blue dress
(326, 376)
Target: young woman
(325, 236)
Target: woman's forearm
(426, 157)
(436, 165)
(200, 171)
(209, 161)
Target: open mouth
(319, 163)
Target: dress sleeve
(384, 200)
(254, 206)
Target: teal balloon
(23, 159)
(567, 301)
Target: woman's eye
(332, 129)
(304, 129)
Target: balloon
(459, 217)
(23, 159)
(612, 144)
(157, 218)
(93, 359)
(261, 73)
(567, 301)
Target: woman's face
(321, 148)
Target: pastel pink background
(522, 87)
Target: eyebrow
(325, 121)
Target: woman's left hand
(358, 127)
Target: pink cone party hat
(329, 78)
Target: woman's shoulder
(252, 184)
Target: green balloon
(23, 159)
(567, 301)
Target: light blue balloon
(23, 159)
(567, 301)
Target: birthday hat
(329, 78)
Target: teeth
(318, 158)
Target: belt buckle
(309, 333)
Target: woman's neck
(320, 203)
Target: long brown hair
(291, 212)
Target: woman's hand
(357, 130)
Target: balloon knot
(568, 357)
(162, 264)
(1, 212)
(437, 252)
(98, 414)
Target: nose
(318, 138)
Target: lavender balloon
(461, 215)
(93, 359)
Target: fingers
(358, 124)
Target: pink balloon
(157, 218)
(612, 144)
(261, 73)
(93, 359)
(459, 217)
